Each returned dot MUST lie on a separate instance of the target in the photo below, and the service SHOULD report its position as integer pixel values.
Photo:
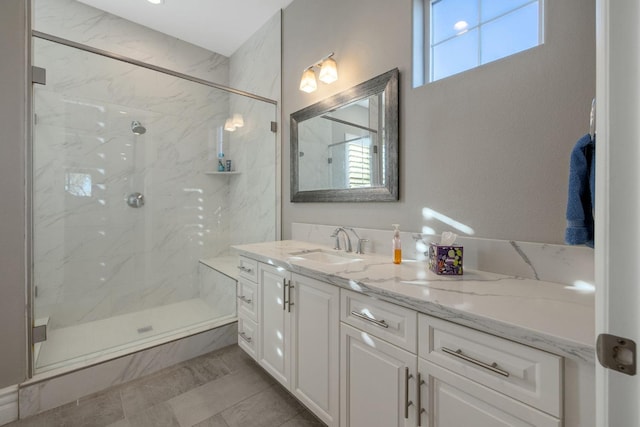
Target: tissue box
(445, 260)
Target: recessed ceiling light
(156, 1)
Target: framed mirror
(345, 148)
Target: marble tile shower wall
(253, 147)
(94, 256)
(84, 24)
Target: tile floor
(225, 388)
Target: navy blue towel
(581, 193)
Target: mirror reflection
(341, 149)
(345, 148)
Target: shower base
(90, 342)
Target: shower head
(137, 128)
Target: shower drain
(145, 329)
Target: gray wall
(488, 148)
(13, 74)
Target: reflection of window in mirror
(358, 161)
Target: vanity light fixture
(237, 121)
(156, 1)
(328, 74)
(234, 122)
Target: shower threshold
(78, 346)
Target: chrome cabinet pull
(284, 294)
(245, 269)
(244, 299)
(407, 402)
(289, 303)
(380, 323)
(421, 410)
(245, 337)
(492, 367)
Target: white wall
(488, 148)
(13, 134)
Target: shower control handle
(135, 200)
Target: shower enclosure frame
(34, 72)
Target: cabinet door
(378, 382)
(315, 342)
(274, 324)
(451, 400)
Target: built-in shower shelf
(222, 173)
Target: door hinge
(616, 353)
(38, 75)
(274, 127)
(39, 333)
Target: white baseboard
(8, 405)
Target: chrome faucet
(359, 241)
(347, 240)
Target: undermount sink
(325, 256)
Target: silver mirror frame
(386, 83)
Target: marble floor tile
(303, 419)
(225, 388)
(215, 421)
(269, 408)
(205, 401)
(159, 415)
(235, 358)
(151, 390)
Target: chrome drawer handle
(245, 269)
(380, 323)
(492, 367)
(244, 299)
(407, 402)
(421, 410)
(245, 337)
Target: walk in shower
(127, 198)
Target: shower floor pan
(125, 333)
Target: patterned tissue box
(446, 260)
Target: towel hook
(592, 119)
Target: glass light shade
(308, 82)
(156, 1)
(228, 125)
(328, 71)
(237, 120)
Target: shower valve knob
(135, 200)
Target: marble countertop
(546, 315)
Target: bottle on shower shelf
(220, 147)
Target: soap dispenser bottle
(397, 245)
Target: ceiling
(221, 26)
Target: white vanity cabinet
(248, 296)
(468, 377)
(274, 353)
(378, 363)
(358, 361)
(299, 327)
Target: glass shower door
(125, 204)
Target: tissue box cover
(445, 259)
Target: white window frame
(422, 50)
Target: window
(464, 34)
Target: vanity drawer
(390, 322)
(248, 299)
(524, 373)
(248, 336)
(248, 268)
